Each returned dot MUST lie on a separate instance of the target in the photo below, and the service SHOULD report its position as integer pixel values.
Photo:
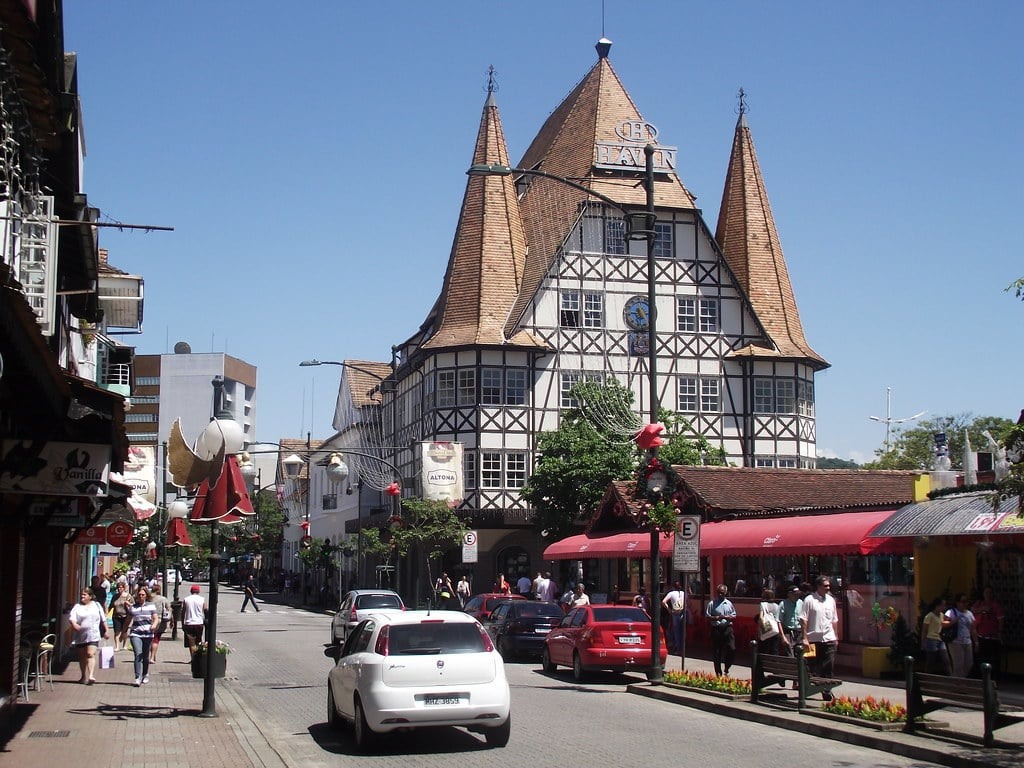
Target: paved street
(278, 671)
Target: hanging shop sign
(442, 471)
(54, 469)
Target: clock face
(637, 313)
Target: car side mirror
(333, 652)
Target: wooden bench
(926, 693)
(768, 669)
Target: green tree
(830, 462)
(592, 447)
(914, 448)
(429, 528)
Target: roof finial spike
(741, 107)
(492, 84)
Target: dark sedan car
(480, 606)
(518, 627)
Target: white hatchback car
(419, 669)
(357, 605)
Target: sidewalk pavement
(935, 747)
(114, 724)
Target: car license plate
(440, 701)
(630, 639)
(542, 630)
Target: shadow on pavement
(122, 712)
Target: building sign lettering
(628, 154)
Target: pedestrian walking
(963, 646)
(249, 588)
(819, 620)
(144, 619)
(789, 618)
(721, 613)
(88, 622)
(990, 615)
(163, 609)
(119, 614)
(464, 591)
(675, 604)
(194, 618)
(936, 653)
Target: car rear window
(537, 610)
(434, 638)
(620, 613)
(366, 602)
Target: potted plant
(202, 657)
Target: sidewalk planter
(708, 692)
(875, 661)
(200, 660)
(872, 724)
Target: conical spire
(750, 243)
(594, 113)
(485, 268)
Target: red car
(482, 605)
(592, 637)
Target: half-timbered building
(543, 288)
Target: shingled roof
(718, 493)
(565, 146)
(485, 268)
(363, 384)
(750, 243)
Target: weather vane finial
(742, 96)
(492, 84)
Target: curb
(952, 754)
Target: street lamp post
(223, 427)
(640, 225)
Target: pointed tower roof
(485, 268)
(593, 114)
(750, 243)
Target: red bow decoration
(393, 490)
(304, 525)
(650, 436)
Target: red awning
(843, 533)
(632, 544)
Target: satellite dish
(182, 348)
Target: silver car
(357, 605)
(418, 669)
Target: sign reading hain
(442, 471)
(55, 469)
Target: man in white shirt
(549, 590)
(193, 618)
(819, 619)
(675, 604)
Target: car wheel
(545, 662)
(365, 737)
(498, 737)
(578, 672)
(333, 718)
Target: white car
(418, 669)
(357, 605)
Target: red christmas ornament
(393, 490)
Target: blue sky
(312, 163)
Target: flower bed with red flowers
(869, 708)
(705, 681)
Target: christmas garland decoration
(659, 506)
